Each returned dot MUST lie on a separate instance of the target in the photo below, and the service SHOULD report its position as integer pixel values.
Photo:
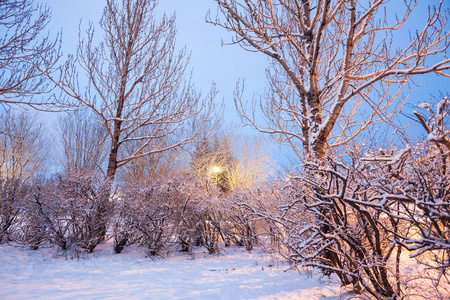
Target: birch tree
(331, 61)
(26, 55)
(135, 79)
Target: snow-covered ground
(235, 274)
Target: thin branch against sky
(210, 61)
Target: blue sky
(210, 61)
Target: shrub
(12, 193)
(71, 211)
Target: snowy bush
(351, 236)
(181, 214)
(160, 216)
(426, 193)
(420, 197)
(213, 218)
(356, 219)
(68, 212)
(239, 227)
(89, 208)
(41, 221)
(12, 193)
(146, 216)
(255, 217)
(250, 214)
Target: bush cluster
(366, 220)
(66, 212)
(80, 211)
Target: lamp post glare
(216, 169)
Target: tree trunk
(112, 162)
(317, 140)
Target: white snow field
(235, 274)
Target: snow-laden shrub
(238, 226)
(212, 218)
(181, 214)
(147, 216)
(89, 205)
(249, 217)
(350, 236)
(42, 222)
(360, 217)
(356, 220)
(68, 212)
(167, 215)
(420, 199)
(12, 193)
(327, 219)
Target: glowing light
(216, 169)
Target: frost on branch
(357, 219)
(70, 212)
(436, 125)
(12, 193)
(181, 214)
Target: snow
(235, 274)
(435, 136)
(423, 105)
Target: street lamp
(216, 169)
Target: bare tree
(148, 169)
(83, 141)
(23, 153)
(23, 150)
(25, 55)
(252, 165)
(135, 80)
(229, 159)
(331, 60)
(212, 157)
